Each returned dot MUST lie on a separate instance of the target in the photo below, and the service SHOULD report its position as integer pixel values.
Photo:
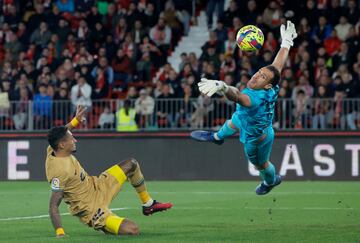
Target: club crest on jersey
(55, 184)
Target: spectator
(81, 93)
(214, 43)
(106, 119)
(101, 90)
(173, 19)
(321, 109)
(108, 71)
(228, 15)
(221, 32)
(21, 110)
(122, 66)
(4, 104)
(125, 118)
(138, 32)
(42, 108)
(41, 36)
(165, 107)
(332, 44)
(272, 15)
(161, 35)
(62, 105)
(230, 43)
(352, 12)
(151, 17)
(321, 31)
(343, 28)
(252, 12)
(301, 110)
(184, 60)
(183, 115)
(13, 46)
(303, 84)
(144, 106)
(210, 9)
(66, 6)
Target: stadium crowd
(62, 53)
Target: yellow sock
(112, 224)
(138, 182)
(144, 196)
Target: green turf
(203, 212)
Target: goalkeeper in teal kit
(254, 112)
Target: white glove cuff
(225, 88)
(287, 44)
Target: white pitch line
(47, 215)
(295, 208)
(236, 192)
(190, 208)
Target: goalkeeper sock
(268, 174)
(225, 131)
(138, 182)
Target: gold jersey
(66, 174)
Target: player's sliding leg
(133, 172)
(258, 153)
(120, 226)
(227, 130)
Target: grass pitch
(203, 212)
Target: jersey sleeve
(255, 97)
(49, 150)
(57, 178)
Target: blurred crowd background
(111, 56)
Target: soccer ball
(250, 38)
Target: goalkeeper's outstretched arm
(210, 87)
(79, 117)
(288, 35)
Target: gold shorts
(108, 185)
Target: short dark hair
(276, 79)
(55, 134)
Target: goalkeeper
(88, 197)
(254, 112)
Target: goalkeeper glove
(288, 35)
(210, 87)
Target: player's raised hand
(288, 34)
(80, 113)
(210, 87)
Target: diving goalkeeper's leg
(227, 130)
(131, 168)
(258, 153)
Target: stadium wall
(174, 156)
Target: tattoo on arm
(55, 201)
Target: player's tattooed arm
(79, 117)
(55, 200)
(236, 96)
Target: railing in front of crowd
(178, 114)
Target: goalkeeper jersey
(254, 120)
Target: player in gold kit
(88, 197)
